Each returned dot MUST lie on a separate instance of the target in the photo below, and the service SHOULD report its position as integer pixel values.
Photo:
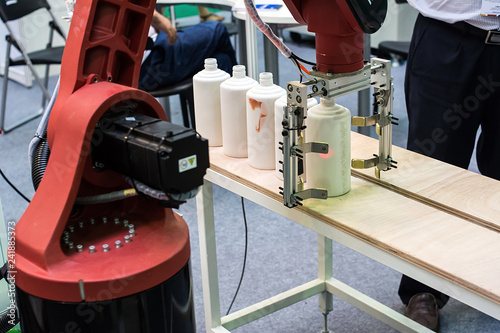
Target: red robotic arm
(69, 255)
(339, 26)
(102, 51)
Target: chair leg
(190, 100)
(184, 108)
(4, 93)
(4, 98)
(46, 85)
(165, 103)
(38, 80)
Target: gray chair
(184, 89)
(10, 11)
(394, 50)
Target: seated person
(177, 55)
(206, 15)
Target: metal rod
(318, 93)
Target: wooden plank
(443, 185)
(444, 244)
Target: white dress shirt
(451, 11)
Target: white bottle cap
(239, 71)
(210, 64)
(266, 79)
(327, 101)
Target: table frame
(325, 285)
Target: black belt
(489, 37)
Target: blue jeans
(168, 64)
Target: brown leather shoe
(423, 309)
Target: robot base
(166, 308)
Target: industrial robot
(99, 249)
(340, 69)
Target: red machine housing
(339, 38)
(99, 72)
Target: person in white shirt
(452, 89)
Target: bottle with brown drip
(260, 122)
(233, 111)
(278, 130)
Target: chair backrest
(14, 9)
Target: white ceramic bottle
(206, 90)
(331, 123)
(233, 112)
(260, 121)
(278, 129)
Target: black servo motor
(162, 155)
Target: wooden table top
(436, 216)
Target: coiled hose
(39, 162)
(7, 322)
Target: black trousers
(452, 88)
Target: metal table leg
(210, 278)
(325, 272)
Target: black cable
(244, 257)
(295, 62)
(13, 187)
(303, 60)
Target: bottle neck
(327, 102)
(210, 64)
(239, 71)
(266, 79)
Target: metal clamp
(374, 74)
(383, 121)
(293, 147)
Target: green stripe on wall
(185, 11)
